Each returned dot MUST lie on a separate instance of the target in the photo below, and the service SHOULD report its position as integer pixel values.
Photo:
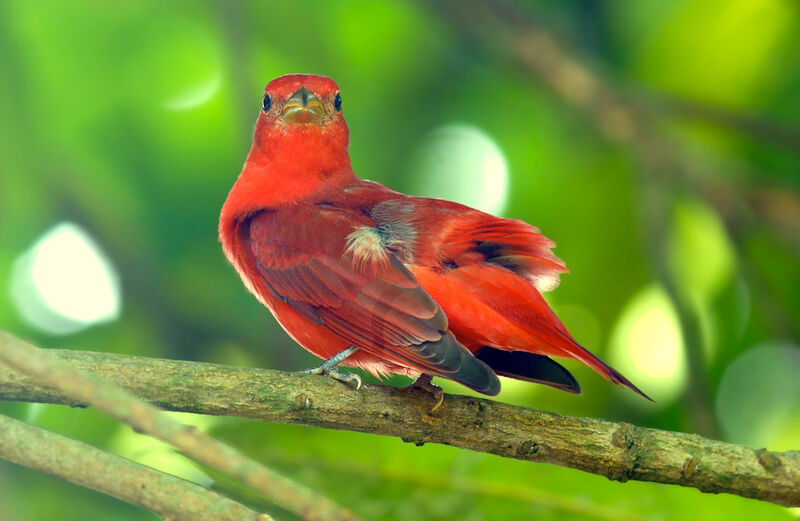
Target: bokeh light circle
(647, 345)
(65, 282)
(464, 164)
(758, 400)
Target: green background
(132, 120)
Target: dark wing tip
(489, 383)
(529, 367)
(449, 359)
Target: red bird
(360, 274)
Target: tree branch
(168, 496)
(106, 396)
(618, 451)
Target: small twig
(753, 125)
(168, 496)
(618, 451)
(143, 417)
(655, 191)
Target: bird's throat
(286, 169)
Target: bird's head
(302, 104)
(300, 144)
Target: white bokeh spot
(463, 164)
(64, 282)
(194, 96)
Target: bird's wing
(510, 243)
(449, 235)
(331, 266)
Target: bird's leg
(425, 383)
(328, 367)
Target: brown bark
(618, 451)
(168, 496)
(106, 394)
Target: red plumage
(419, 285)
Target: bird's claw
(328, 367)
(351, 380)
(424, 383)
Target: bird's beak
(303, 107)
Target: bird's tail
(580, 353)
(529, 367)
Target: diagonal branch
(168, 496)
(618, 451)
(143, 417)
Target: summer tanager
(360, 274)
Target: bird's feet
(425, 383)
(328, 367)
(350, 379)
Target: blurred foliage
(132, 120)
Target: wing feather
(377, 306)
(460, 236)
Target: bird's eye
(266, 103)
(337, 102)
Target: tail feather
(580, 353)
(615, 376)
(529, 367)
